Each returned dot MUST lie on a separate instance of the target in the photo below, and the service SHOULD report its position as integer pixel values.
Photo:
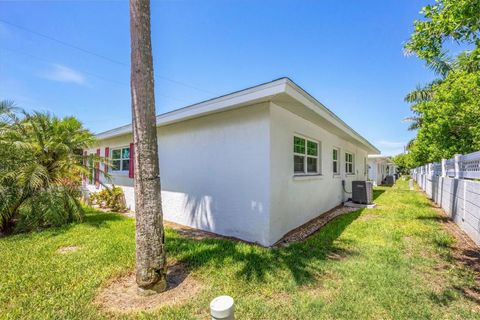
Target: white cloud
(391, 144)
(63, 73)
(391, 147)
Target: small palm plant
(41, 165)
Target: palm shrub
(112, 198)
(41, 165)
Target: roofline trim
(249, 95)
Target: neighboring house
(253, 164)
(380, 166)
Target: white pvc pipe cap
(221, 307)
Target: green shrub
(50, 208)
(112, 198)
(41, 165)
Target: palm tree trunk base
(158, 287)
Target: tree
(41, 164)
(446, 111)
(450, 119)
(151, 267)
(458, 20)
(403, 162)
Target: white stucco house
(380, 166)
(253, 164)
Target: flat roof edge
(251, 94)
(345, 128)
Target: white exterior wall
(377, 171)
(119, 179)
(373, 174)
(231, 172)
(214, 172)
(296, 200)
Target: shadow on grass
(377, 193)
(444, 298)
(93, 218)
(437, 218)
(249, 262)
(99, 219)
(257, 263)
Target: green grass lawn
(392, 262)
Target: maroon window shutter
(97, 171)
(107, 154)
(131, 168)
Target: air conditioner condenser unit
(362, 192)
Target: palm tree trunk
(151, 267)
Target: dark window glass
(298, 145)
(299, 164)
(115, 165)
(126, 153)
(312, 165)
(125, 165)
(312, 148)
(116, 154)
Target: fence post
(457, 165)
(430, 169)
(444, 167)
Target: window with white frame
(305, 156)
(349, 159)
(120, 159)
(336, 161)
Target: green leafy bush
(50, 208)
(41, 165)
(112, 198)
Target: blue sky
(347, 54)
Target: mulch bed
(306, 230)
(120, 294)
(296, 235)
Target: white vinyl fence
(454, 184)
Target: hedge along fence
(451, 184)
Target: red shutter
(85, 164)
(107, 154)
(131, 168)
(97, 171)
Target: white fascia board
(222, 103)
(249, 96)
(313, 104)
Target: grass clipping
(120, 294)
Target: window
(305, 156)
(336, 168)
(349, 163)
(120, 159)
